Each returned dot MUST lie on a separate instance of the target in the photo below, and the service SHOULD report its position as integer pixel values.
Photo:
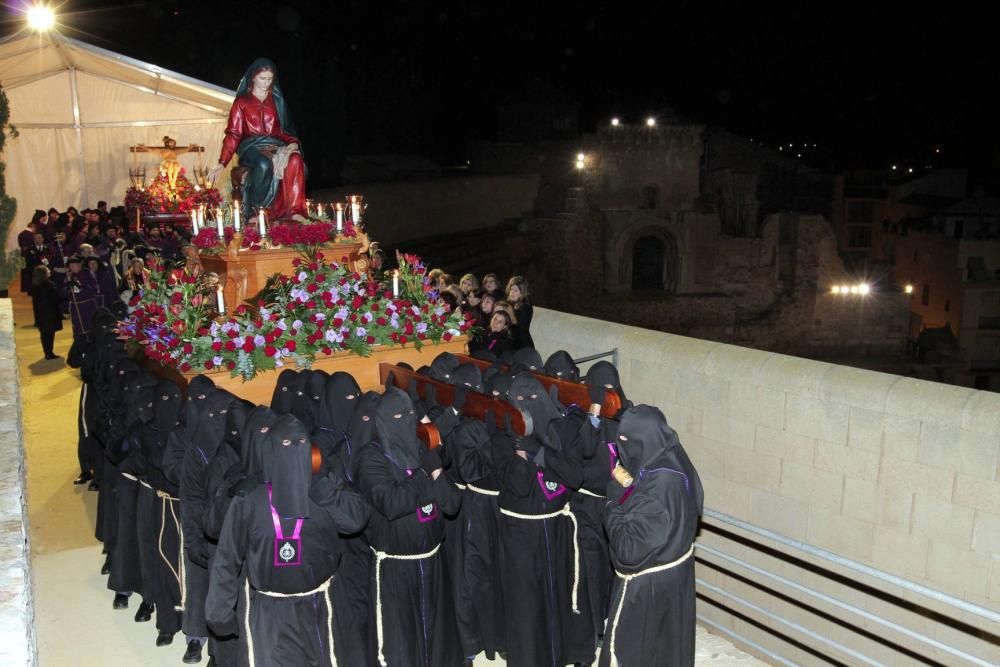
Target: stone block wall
(17, 636)
(897, 473)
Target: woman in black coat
(45, 303)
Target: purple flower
(332, 336)
(259, 340)
(360, 332)
(297, 324)
(217, 361)
(282, 325)
(320, 317)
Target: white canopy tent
(78, 108)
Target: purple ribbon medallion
(287, 550)
(550, 489)
(427, 513)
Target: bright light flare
(835, 289)
(908, 289)
(864, 289)
(615, 122)
(650, 122)
(41, 18)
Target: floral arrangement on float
(321, 308)
(159, 197)
(302, 237)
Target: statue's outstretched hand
(215, 171)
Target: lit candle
(309, 206)
(236, 215)
(194, 222)
(340, 216)
(220, 300)
(395, 283)
(201, 217)
(261, 224)
(218, 223)
(355, 208)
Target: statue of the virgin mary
(261, 132)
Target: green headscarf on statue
(246, 84)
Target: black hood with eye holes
(526, 359)
(341, 397)
(468, 376)
(211, 431)
(528, 395)
(646, 444)
(289, 467)
(198, 391)
(604, 373)
(307, 404)
(255, 451)
(361, 429)
(167, 405)
(443, 366)
(561, 365)
(236, 420)
(286, 391)
(396, 429)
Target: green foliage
(10, 263)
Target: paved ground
(74, 620)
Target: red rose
(209, 364)
(217, 345)
(408, 328)
(310, 305)
(353, 317)
(296, 261)
(327, 351)
(357, 301)
(337, 322)
(447, 336)
(312, 287)
(270, 350)
(381, 321)
(313, 266)
(248, 345)
(374, 307)
(230, 346)
(185, 367)
(230, 365)
(320, 277)
(421, 336)
(402, 340)
(290, 346)
(370, 340)
(188, 348)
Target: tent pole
(79, 135)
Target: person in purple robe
(81, 294)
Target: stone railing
(17, 636)
(892, 472)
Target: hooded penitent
(288, 469)
(308, 401)
(561, 365)
(468, 376)
(647, 445)
(286, 392)
(198, 391)
(236, 420)
(256, 442)
(497, 383)
(604, 374)
(167, 409)
(526, 359)
(341, 396)
(443, 366)
(211, 430)
(396, 429)
(528, 395)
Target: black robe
(545, 595)
(652, 523)
(288, 619)
(411, 597)
(476, 581)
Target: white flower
(331, 336)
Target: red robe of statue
(249, 117)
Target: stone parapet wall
(897, 473)
(17, 636)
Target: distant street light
(615, 122)
(650, 122)
(41, 18)
(908, 289)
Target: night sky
(869, 86)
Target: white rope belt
(482, 491)
(590, 493)
(460, 487)
(83, 412)
(621, 602)
(323, 588)
(145, 484)
(379, 557)
(566, 512)
(179, 574)
(130, 477)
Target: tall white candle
(340, 217)
(395, 282)
(194, 222)
(261, 224)
(220, 300)
(201, 217)
(355, 212)
(218, 223)
(236, 215)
